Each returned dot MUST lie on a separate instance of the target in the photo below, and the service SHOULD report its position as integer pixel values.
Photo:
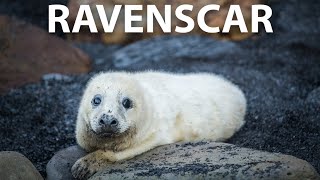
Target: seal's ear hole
(127, 103)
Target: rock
(15, 166)
(163, 48)
(209, 160)
(119, 36)
(198, 160)
(59, 166)
(28, 52)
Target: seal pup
(122, 114)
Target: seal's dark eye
(127, 103)
(96, 100)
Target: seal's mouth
(102, 134)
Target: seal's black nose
(108, 124)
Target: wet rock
(162, 48)
(198, 160)
(60, 165)
(28, 52)
(15, 166)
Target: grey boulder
(163, 48)
(198, 160)
(15, 166)
(60, 165)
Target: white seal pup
(122, 115)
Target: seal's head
(112, 104)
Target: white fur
(208, 106)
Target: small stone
(15, 166)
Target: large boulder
(15, 166)
(28, 52)
(198, 160)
